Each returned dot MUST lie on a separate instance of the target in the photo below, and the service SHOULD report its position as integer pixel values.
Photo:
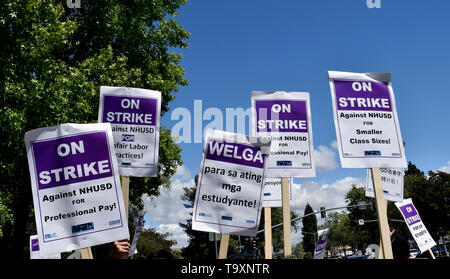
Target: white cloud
(177, 234)
(445, 168)
(325, 157)
(183, 173)
(334, 144)
(167, 210)
(320, 195)
(317, 195)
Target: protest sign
(392, 181)
(272, 192)
(134, 115)
(230, 187)
(415, 225)
(75, 185)
(366, 121)
(321, 244)
(285, 118)
(35, 250)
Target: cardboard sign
(134, 115)
(392, 181)
(416, 226)
(230, 184)
(35, 250)
(285, 118)
(321, 244)
(366, 121)
(76, 190)
(272, 192)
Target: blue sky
(240, 46)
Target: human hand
(121, 248)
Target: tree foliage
(309, 230)
(430, 195)
(341, 230)
(53, 61)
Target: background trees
(53, 61)
(309, 231)
(430, 195)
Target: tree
(413, 170)
(199, 245)
(369, 232)
(430, 196)
(53, 61)
(341, 230)
(150, 240)
(309, 230)
(277, 233)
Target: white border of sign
(76, 241)
(136, 171)
(215, 225)
(285, 171)
(367, 162)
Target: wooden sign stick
(286, 217)
(86, 254)
(223, 249)
(385, 234)
(125, 181)
(380, 252)
(431, 253)
(268, 232)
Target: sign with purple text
(272, 192)
(392, 181)
(76, 189)
(416, 226)
(366, 121)
(285, 119)
(230, 184)
(134, 115)
(321, 244)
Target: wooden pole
(223, 249)
(125, 181)
(286, 217)
(86, 253)
(431, 253)
(380, 251)
(268, 232)
(385, 234)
